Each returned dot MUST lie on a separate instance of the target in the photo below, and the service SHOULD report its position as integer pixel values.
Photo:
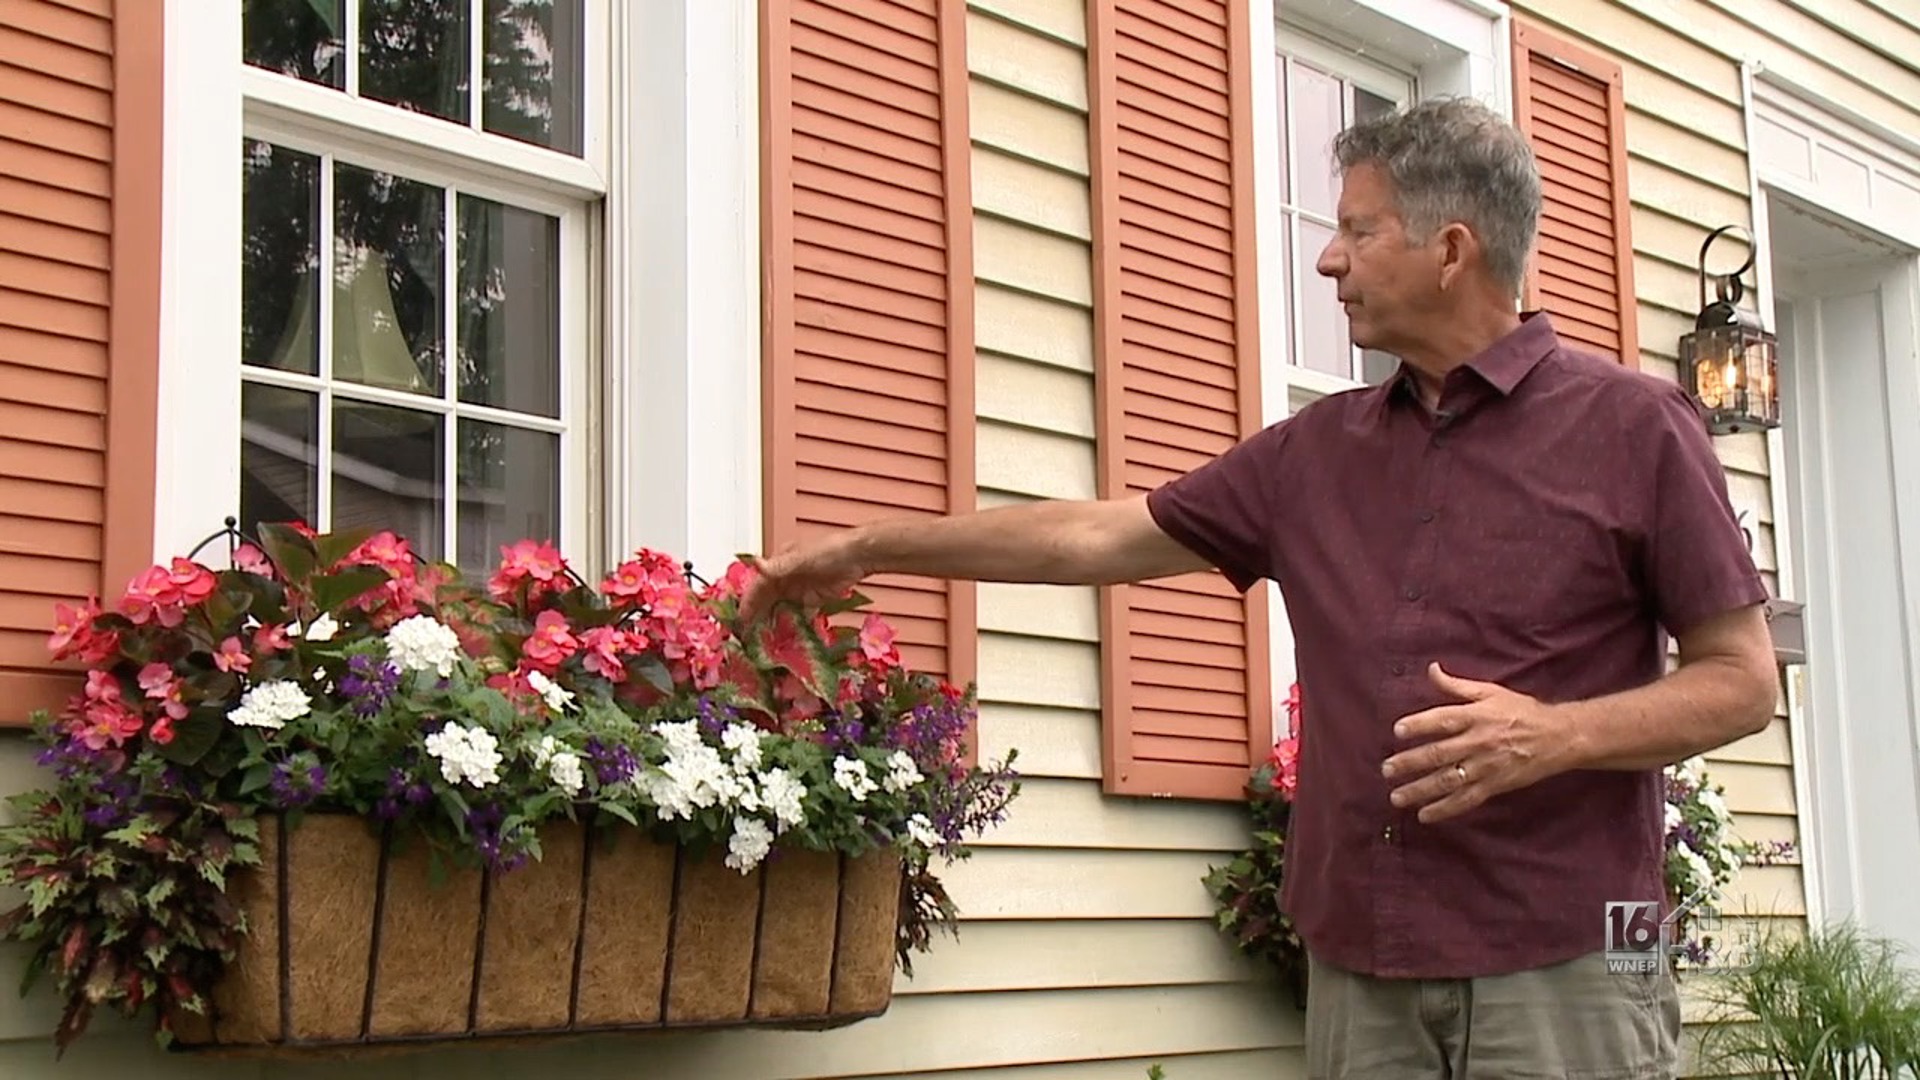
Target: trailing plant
(341, 674)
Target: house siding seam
(1570, 103)
(1185, 676)
(79, 320)
(868, 263)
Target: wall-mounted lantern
(1730, 362)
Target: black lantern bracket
(1730, 362)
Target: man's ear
(1458, 249)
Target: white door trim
(1802, 146)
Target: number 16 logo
(1635, 936)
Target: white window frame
(1455, 47)
(664, 450)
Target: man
(1479, 560)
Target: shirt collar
(1502, 365)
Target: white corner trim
(1784, 530)
(683, 307)
(196, 466)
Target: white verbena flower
(271, 705)
(544, 751)
(781, 793)
(320, 629)
(423, 643)
(556, 696)
(921, 831)
(749, 844)
(566, 773)
(1696, 863)
(902, 772)
(851, 775)
(1675, 818)
(1715, 805)
(469, 755)
(744, 742)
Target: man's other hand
(1493, 741)
(810, 576)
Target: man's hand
(809, 576)
(1496, 740)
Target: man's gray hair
(1454, 159)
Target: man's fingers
(1435, 723)
(1464, 689)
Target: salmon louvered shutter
(868, 262)
(80, 143)
(1569, 102)
(1187, 684)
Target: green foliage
(1833, 1004)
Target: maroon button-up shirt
(1544, 529)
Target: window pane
(1377, 367)
(389, 472)
(389, 279)
(1368, 105)
(280, 259)
(1323, 323)
(413, 53)
(1318, 104)
(279, 456)
(509, 307)
(509, 490)
(1280, 85)
(300, 38)
(532, 80)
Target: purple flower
(715, 718)
(293, 785)
(611, 764)
(368, 684)
(402, 792)
(501, 851)
(846, 734)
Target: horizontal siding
(56, 216)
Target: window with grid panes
(412, 335)
(1323, 89)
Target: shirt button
(1412, 593)
(1387, 834)
(1426, 516)
(1439, 440)
(1399, 668)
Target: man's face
(1388, 286)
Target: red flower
(268, 640)
(876, 643)
(251, 560)
(162, 730)
(531, 563)
(605, 649)
(160, 684)
(550, 644)
(194, 582)
(74, 636)
(233, 657)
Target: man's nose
(1332, 262)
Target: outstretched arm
(1055, 543)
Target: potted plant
(1703, 855)
(334, 795)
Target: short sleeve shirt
(1545, 528)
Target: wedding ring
(1460, 770)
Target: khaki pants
(1571, 1021)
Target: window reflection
(413, 53)
(509, 490)
(279, 456)
(301, 38)
(280, 259)
(533, 78)
(509, 307)
(389, 469)
(389, 278)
